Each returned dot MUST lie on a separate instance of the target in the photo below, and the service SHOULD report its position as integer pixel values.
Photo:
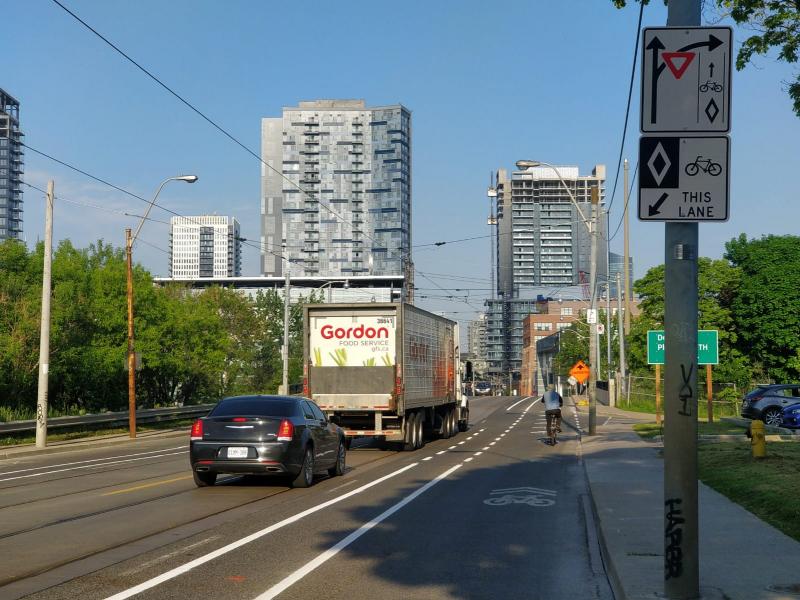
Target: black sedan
(266, 435)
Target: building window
(566, 311)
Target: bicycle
(711, 85)
(553, 427)
(705, 165)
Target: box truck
(387, 370)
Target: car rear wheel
(772, 416)
(305, 477)
(204, 479)
(341, 461)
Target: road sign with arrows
(686, 79)
(684, 178)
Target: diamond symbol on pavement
(712, 110)
(659, 164)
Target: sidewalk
(741, 557)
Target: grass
(767, 487)
(86, 431)
(649, 431)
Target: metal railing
(151, 415)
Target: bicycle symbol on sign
(522, 495)
(710, 85)
(705, 165)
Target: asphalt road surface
(491, 513)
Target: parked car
(266, 435)
(483, 388)
(790, 417)
(767, 402)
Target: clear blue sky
(488, 83)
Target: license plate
(237, 452)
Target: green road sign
(707, 347)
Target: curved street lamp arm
(149, 208)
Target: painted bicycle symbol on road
(521, 495)
(706, 165)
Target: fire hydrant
(758, 440)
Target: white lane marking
(185, 568)
(606, 421)
(492, 443)
(502, 435)
(469, 438)
(477, 453)
(459, 443)
(485, 448)
(338, 487)
(517, 402)
(484, 429)
(293, 578)
(477, 433)
(116, 462)
(451, 447)
(155, 561)
(427, 458)
(532, 403)
(82, 462)
(440, 452)
(467, 459)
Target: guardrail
(148, 415)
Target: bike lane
(510, 522)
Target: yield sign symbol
(670, 60)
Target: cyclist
(553, 402)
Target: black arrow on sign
(653, 210)
(711, 69)
(655, 45)
(713, 43)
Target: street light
(591, 226)
(129, 241)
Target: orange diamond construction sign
(580, 371)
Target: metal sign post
(686, 92)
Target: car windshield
(254, 407)
(759, 391)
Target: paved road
(444, 522)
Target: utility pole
(44, 334)
(626, 252)
(286, 314)
(593, 350)
(681, 549)
(131, 353)
(608, 329)
(622, 367)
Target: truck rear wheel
(446, 427)
(451, 422)
(409, 429)
(420, 428)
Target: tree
(718, 284)
(766, 308)
(774, 23)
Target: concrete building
(336, 199)
(205, 246)
(476, 344)
(504, 336)
(11, 168)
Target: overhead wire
(209, 120)
(630, 191)
(628, 107)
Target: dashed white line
(459, 443)
(484, 429)
(485, 448)
(517, 402)
(440, 452)
(477, 453)
(427, 458)
(451, 447)
(467, 459)
(492, 443)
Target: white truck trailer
(387, 370)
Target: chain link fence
(640, 395)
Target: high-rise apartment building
(616, 264)
(204, 246)
(11, 168)
(543, 245)
(336, 197)
(542, 241)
